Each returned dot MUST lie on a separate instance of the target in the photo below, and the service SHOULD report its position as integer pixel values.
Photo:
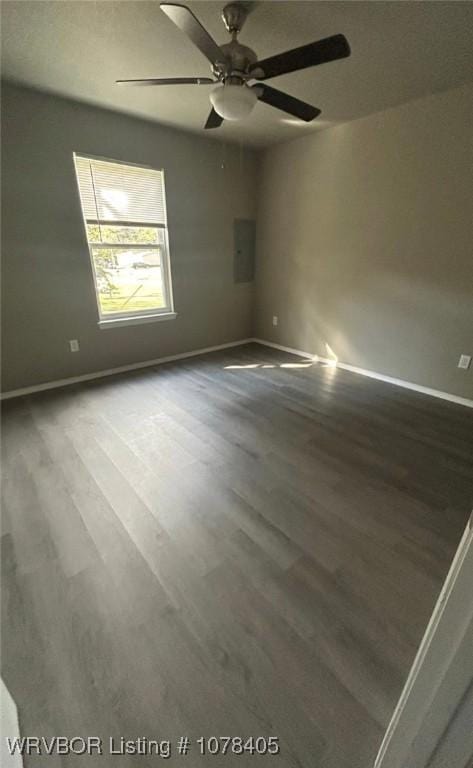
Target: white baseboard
(160, 360)
(372, 374)
(120, 369)
(291, 350)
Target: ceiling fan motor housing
(239, 59)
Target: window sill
(120, 322)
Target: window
(124, 210)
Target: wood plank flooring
(238, 544)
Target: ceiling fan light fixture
(233, 102)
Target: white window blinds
(116, 192)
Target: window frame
(132, 317)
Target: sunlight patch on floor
(265, 365)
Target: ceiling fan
(234, 66)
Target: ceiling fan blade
(286, 103)
(214, 120)
(169, 81)
(188, 23)
(320, 52)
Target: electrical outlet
(275, 319)
(464, 361)
(74, 345)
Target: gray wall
(365, 237)
(48, 292)
(365, 242)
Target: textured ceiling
(400, 51)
